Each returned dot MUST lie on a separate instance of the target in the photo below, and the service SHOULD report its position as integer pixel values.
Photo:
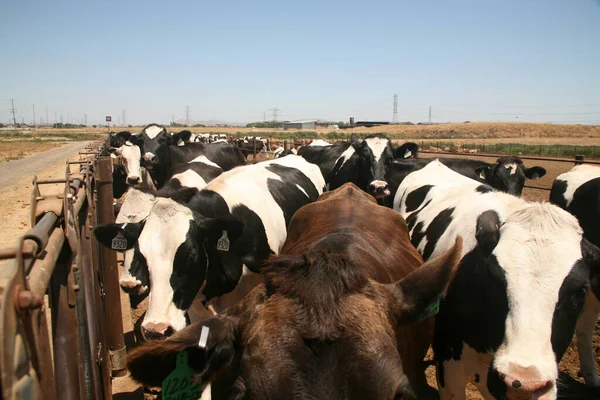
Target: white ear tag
(482, 175)
(407, 154)
(203, 337)
(223, 242)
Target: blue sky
(478, 60)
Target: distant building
(303, 124)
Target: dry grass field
(538, 133)
(21, 149)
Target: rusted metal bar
(108, 265)
(64, 327)
(29, 251)
(41, 271)
(89, 285)
(537, 187)
(50, 181)
(101, 350)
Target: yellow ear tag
(180, 383)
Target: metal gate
(61, 332)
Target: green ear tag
(179, 385)
(431, 310)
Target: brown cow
(335, 319)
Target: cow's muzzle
(158, 330)
(379, 189)
(133, 180)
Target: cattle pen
(71, 344)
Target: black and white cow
(150, 138)
(507, 175)
(362, 163)
(247, 145)
(168, 156)
(138, 203)
(206, 247)
(578, 191)
(510, 312)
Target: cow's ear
(535, 172)
(487, 231)
(136, 140)
(227, 228)
(354, 141)
(417, 296)
(407, 150)
(185, 136)
(130, 232)
(181, 196)
(482, 172)
(591, 256)
(209, 344)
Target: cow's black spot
(483, 189)
(418, 234)
(571, 298)
(436, 229)
(285, 192)
(477, 378)
(139, 267)
(415, 198)
(586, 208)
(474, 310)
(411, 220)
(189, 268)
(557, 193)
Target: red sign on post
(108, 118)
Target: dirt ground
(18, 150)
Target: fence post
(109, 270)
(579, 159)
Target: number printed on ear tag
(223, 242)
(182, 382)
(119, 242)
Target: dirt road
(13, 171)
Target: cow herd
(329, 274)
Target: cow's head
(318, 328)
(375, 154)
(135, 208)
(517, 297)
(131, 155)
(119, 139)
(509, 174)
(175, 246)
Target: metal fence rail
(76, 355)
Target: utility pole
(33, 108)
(172, 119)
(55, 120)
(429, 114)
(395, 116)
(85, 118)
(13, 110)
(275, 113)
(47, 119)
